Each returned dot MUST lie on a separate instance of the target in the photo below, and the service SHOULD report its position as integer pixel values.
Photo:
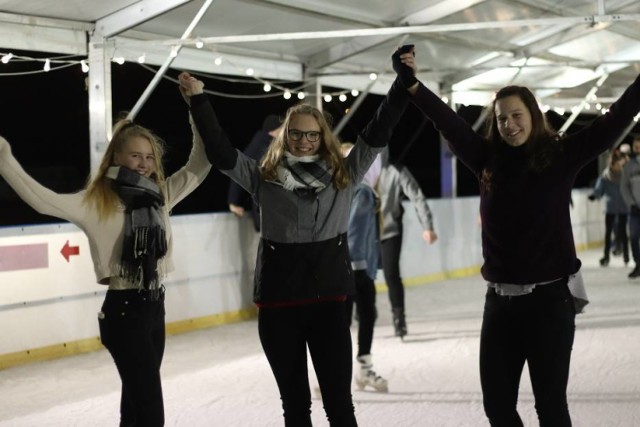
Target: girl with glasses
(303, 275)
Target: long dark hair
(542, 148)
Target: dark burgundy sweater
(526, 226)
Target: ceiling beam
(419, 29)
(321, 10)
(134, 15)
(34, 33)
(339, 52)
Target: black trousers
(619, 221)
(537, 328)
(285, 333)
(365, 302)
(132, 328)
(391, 266)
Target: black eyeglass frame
(306, 134)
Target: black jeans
(365, 301)
(620, 222)
(132, 329)
(391, 266)
(285, 333)
(537, 328)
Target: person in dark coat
(526, 172)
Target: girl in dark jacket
(526, 173)
(304, 188)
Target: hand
(429, 236)
(189, 86)
(404, 65)
(237, 210)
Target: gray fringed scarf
(308, 172)
(144, 241)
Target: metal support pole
(167, 63)
(578, 110)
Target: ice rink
(220, 377)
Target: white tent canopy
(466, 48)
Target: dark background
(46, 120)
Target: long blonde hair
(329, 149)
(99, 193)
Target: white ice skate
(367, 377)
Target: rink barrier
(88, 345)
(48, 313)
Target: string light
(267, 86)
(199, 44)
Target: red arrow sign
(67, 251)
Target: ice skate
(399, 322)
(367, 377)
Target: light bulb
(328, 98)
(266, 87)
(85, 67)
(47, 65)
(301, 95)
(5, 59)
(286, 94)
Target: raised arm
(219, 150)
(380, 128)
(463, 141)
(181, 183)
(586, 144)
(40, 198)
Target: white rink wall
(214, 254)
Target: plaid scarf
(144, 241)
(308, 172)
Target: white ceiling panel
(469, 46)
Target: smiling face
(137, 155)
(302, 128)
(513, 120)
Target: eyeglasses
(296, 135)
